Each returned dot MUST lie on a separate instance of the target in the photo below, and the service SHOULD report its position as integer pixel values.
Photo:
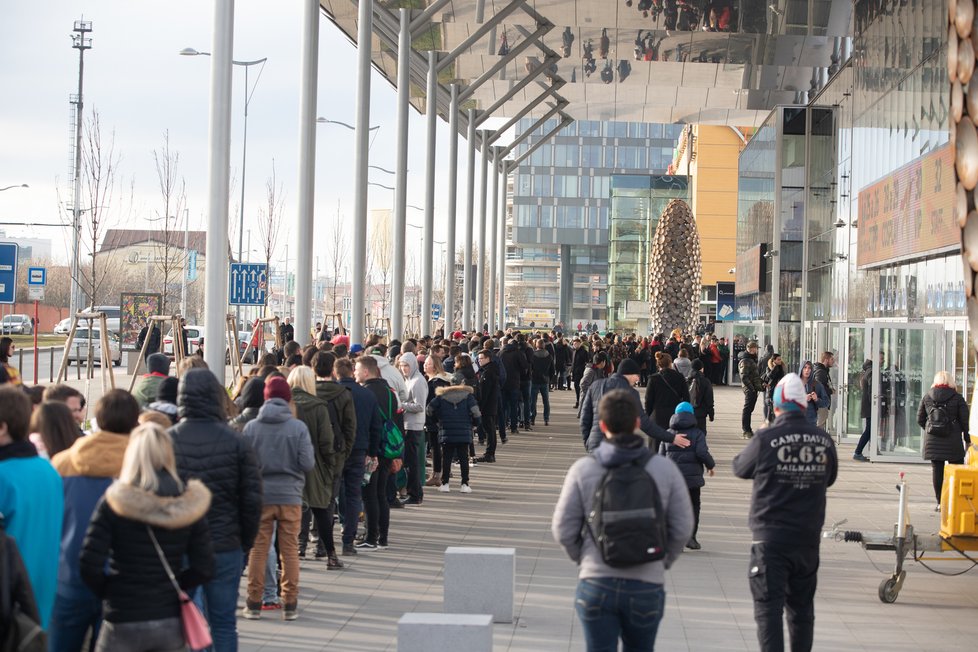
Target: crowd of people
(178, 487)
(182, 477)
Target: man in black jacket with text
(792, 464)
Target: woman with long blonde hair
(144, 528)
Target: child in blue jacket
(690, 460)
(456, 412)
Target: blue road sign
(37, 276)
(436, 311)
(8, 272)
(249, 284)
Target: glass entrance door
(850, 342)
(906, 357)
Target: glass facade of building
(880, 276)
(562, 198)
(637, 202)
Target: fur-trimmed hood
(454, 393)
(170, 512)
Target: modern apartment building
(557, 226)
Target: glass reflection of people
(950, 446)
(866, 410)
(885, 442)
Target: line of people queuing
(181, 475)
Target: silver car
(16, 325)
(79, 347)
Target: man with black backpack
(624, 516)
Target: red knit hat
(277, 387)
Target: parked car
(79, 347)
(63, 326)
(194, 333)
(113, 316)
(16, 325)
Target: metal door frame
(875, 328)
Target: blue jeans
(353, 493)
(270, 594)
(218, 600)
(544, 390)
(71, 618)
(609, 607)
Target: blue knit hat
(685, 406)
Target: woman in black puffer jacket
(950, 446)
(141, 605)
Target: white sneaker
(444, 488)
(466, 489)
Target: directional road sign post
(8, 272)
(249, 284)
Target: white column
(427, 267)
(400, 181)
(219, 170)
(469, 218)
(480, 272)
(448, 310)
(360, 161)
(494, 241)
(307, 170)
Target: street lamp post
(18, 185)
(191, 52)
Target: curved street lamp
(21, 185)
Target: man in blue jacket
(365, 445)
(792, 464)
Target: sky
(141, 87)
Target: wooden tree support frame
(337, 322)
(178, 353)
(412, 326)
(105, 359)
(237, 370)
(259, 327)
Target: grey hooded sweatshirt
(575, 502)
(416, 399)
(284, 450)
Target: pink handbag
(196, 631)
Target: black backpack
(626, 519)
(939, 420)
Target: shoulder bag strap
(166, 564)
(665, 381)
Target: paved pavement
(708, 601)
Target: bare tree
(169, 256)
(270, 223)
(337, 257)
(382, 253)
(515, 300)
(99, 169)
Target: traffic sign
(35, 292)
(249, 284)
(436, 311)
(8, 272)
(37, 276)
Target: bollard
(427, 632)
(480, 581)
(51, 366)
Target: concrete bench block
(480, 581)
(426, 632)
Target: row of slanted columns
(473, 313)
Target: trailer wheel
(888, 591)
